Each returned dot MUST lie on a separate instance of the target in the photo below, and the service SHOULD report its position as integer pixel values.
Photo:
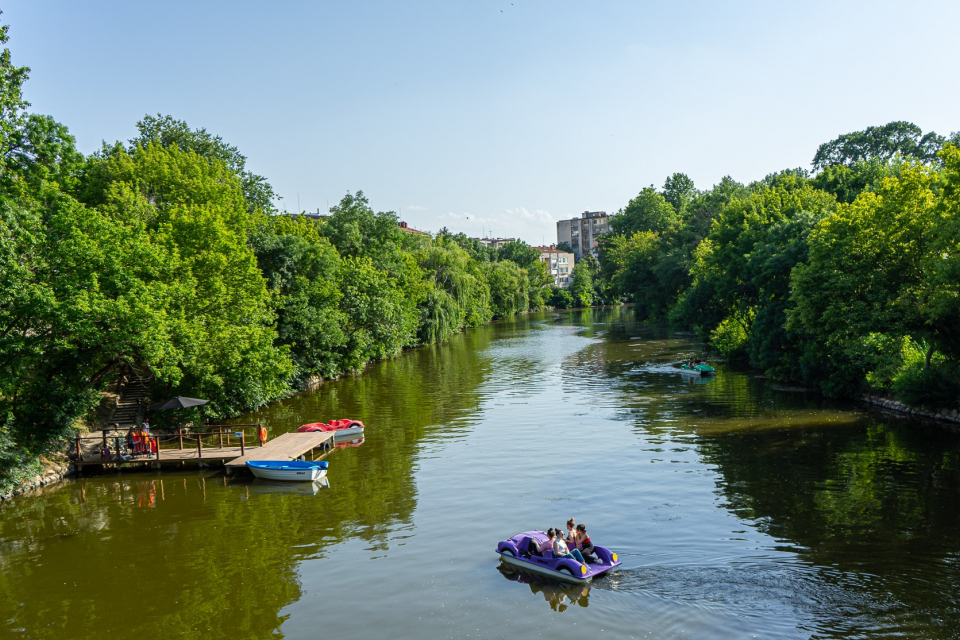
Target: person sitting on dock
(560, 548)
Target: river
(740, 509)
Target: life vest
(263, 434)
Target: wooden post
(79, 450)
(180, 433)
(220, 430)
(104, 433)
(199, 445)
(156, 439)
(242, 449)
(117, 446)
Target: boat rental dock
(219, 444)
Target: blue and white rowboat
(289, 470)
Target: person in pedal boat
(560, 549)
(573, 538)
(546, 544)
(586, 547)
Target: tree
(508, 289)
(868, 274)
(581, 288)
(564, 246)
(649, 211)
(220, 312)
(746, 264)
(679, 191)
(302, 269)
(12, 103)
(879, 143)
(519, 253)
(167, 131)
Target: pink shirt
(545, 545)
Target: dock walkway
(288, 446)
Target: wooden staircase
(132, 404)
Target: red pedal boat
(344, 429)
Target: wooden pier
(226, 444)
(288, 446)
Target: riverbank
(891, 404)
(52, 473)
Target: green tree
(679, 191)
(508, 289)
(302, 269)
(880, 143)
(222, 319)
(519, 253)
(649, 211)
(867, 274)
(581, 287)
(167, 131)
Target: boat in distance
(342, 429)
(288, 470)
(520, 551)
(697, 370)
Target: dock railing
(115, 447)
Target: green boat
(698, 369)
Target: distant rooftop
(408, 229)
(590, 214)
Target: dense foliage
(848, 279)
(165, 256)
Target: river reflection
(559, 596)
(739, 508)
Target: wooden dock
(190, 447)
(288, 446)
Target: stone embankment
(54, 473)
(890, 404)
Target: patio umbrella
(179, 402)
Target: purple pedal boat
(521, 551)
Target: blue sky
(493, 115)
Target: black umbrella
(178, 403)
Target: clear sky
(505, 115)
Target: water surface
(740, 509)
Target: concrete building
(559, 264)
(581, 232)
(494, 243)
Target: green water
(739, 509)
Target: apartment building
(581, 232)
(559, 264)
(494, 243)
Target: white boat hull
(530, 567)
(289, 475)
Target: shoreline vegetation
(165, 257)
(845, 279)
